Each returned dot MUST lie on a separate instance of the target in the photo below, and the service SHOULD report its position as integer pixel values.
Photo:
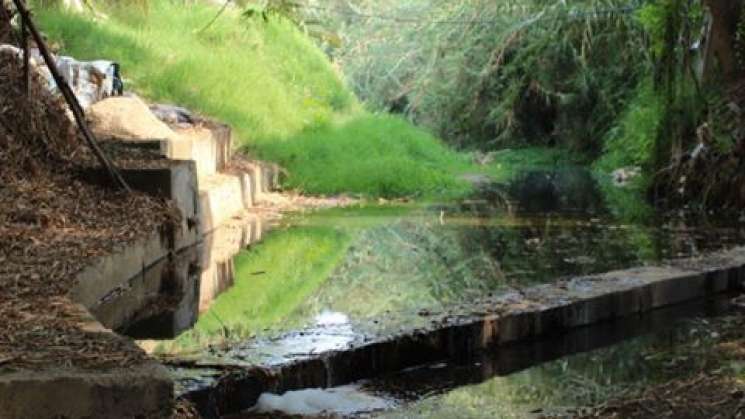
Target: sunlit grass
(381, 155)
(278, 91)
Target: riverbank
(72, 242)
(270, 82)
(53, 224)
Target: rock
(622, 177)
(173, 115)
(483, 159)
(127, 118)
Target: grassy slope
(270, 82)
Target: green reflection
(272, 280)
(555, 387)
(383, 265)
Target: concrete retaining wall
(151, 285)
(144, 390)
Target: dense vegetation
(626, 84)
(651, 84)
(485, 74)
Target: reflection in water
(497, 385)
(385, 268)
(525, 377)
(331, 331)
(167, 298)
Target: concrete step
(225, 189)
(206, 142)
(141, 390)
(221, 197)
(207, 145)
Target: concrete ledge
(177, 182)
(145, 391)
(539, 312)
(141, 390)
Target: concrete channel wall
(120, 289)
(490, 326)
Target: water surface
(322, 280)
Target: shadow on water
(565, 191)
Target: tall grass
(271, 83)
(380, 154)
(489, 74)
(631, 141)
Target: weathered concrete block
(221, 198)
(222, 137)
(197, 144)
(248, 190)
(144, 391)
(109, 272)
(177, 182)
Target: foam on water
(344, 400)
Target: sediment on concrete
(143, 391)
(143, 388)
(537, 312)
(125, 389)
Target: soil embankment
(53, 223)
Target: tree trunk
(725, 16)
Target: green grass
(381, 155)
(282, 96)
(631, 141)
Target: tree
(722, 39)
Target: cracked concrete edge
(143, 391)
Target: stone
(127, 118)
(624, 175)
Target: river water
(319, 281)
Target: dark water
(323, 280)
(342, 273)
(527, 380)
(555, 376)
